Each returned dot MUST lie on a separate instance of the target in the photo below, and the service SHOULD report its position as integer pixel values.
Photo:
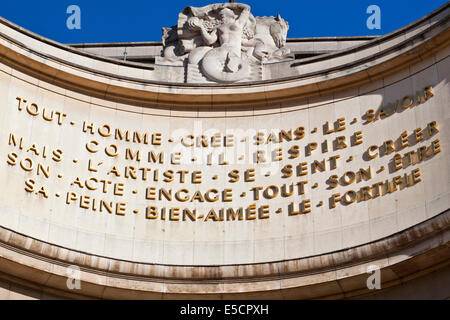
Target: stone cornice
(379, 57)
(402, 256)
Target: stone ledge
(102, 83)
(400, 257)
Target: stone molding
(374, 59)
(342, 274)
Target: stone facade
(287, 185)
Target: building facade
(226, 162)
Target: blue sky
(141, 20)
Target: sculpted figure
(224, 42)
(171, 46)
(221, 57)
(269, 42)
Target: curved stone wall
(274, 189)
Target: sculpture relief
(224, 43)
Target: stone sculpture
(224, 42)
